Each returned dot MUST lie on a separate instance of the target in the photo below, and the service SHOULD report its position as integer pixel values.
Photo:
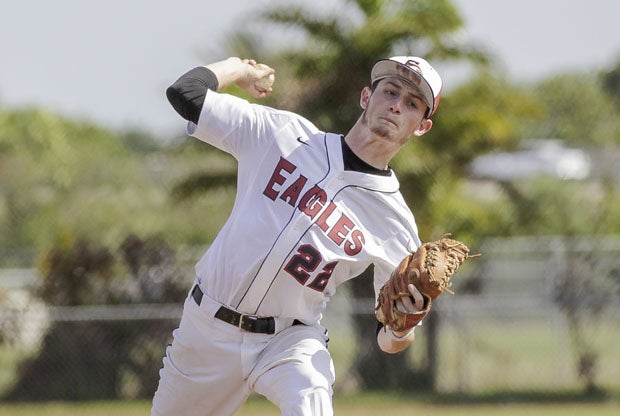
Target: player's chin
(389, 134)
(384, 129)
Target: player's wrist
(401, 335)
(229, 71)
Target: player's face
(395, 110)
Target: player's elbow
(184, 107)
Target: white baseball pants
(212, 367)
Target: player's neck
(372, 149)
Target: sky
(110, 61)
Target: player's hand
(252, 77)
(410, 304)
(258, 79)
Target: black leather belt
(249, 323)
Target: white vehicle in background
(539, 157)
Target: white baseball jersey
(301, 224)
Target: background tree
(109, 359)
(579, 109)
(70, 176)
(611, 84)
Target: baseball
(265, 82)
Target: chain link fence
(533, 314)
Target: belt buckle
(246, 322)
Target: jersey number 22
(305, 262)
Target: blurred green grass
(350, 405)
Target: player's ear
(424, 127)
(365, 97)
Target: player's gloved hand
(410, 304)
(430, 269)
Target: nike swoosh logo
(300, 140)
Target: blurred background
(105, 204)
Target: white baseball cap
(414, 70)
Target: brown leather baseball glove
(429, 269)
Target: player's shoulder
(256, 110)
(287, 116)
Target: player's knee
(316, 401)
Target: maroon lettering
(320, 281)
(322, 220)
(292, 192)
(303, 263)
(313, 201)
(277, 178)
(354, 245)
(341, 229)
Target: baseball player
(312, 210)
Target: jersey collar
(364, 180)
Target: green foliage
(109, 359)
(76, 273)
(325, 76)
(481, 116)
(508, 403)
(577, 109)
(139, 142)
(610, 80)
(58, 153)
(63, 176)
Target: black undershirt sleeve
(187, 94)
